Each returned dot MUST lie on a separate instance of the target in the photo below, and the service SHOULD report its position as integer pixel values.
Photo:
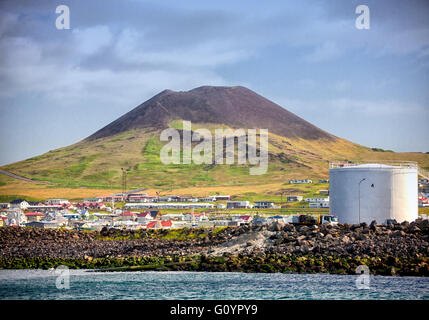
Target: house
(207, 199)
(245, 218)
(159, 224)
(323, 191)
(264, 204)
(127, 216)
(221, 206)
(294, 198)
(173, 217)
(237, 204)
(33, 216)
(71, 216)
(151, 225)
(300, 181)
(166, 224)
(195, 217)
(4, 205)
(186, 199)
(222, 223)
(166, 199)
(323, 204)
(259, 221)
(35, 203)
(144, 217)
(15, 217)
(57, 201)
(19, 204)
(317, 199)
(98, 199)
(140, 197)
(275, 219)
(44, 208)
(221, 198)
(114, 197)
(91, 205)
(324, 181)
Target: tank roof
(373, 164)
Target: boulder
(277, 226)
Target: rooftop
(373, 164)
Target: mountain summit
(236, 107)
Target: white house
(323, 204)
(197, 217)
(57, 201)
(296, 181)
(19, 204)
(222, 197)
(317, 199)
(264, 204)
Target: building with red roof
(33, 216)
(128, 216)
(151, 224)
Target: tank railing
(401, 164)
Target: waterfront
(84, 284)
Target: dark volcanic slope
(237, 107)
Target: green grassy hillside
(97, 163)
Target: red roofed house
(246, 218)
(34, 216)
(128, 216)
(144, 217)
(166, 224)
(159, 224)
(151, 224)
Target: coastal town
(134, 210)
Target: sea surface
(85, 284)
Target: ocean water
(85, 284)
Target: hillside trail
(15, 176)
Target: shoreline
(401, 249)
(231, 263)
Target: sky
(369, 86)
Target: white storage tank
(363, 192)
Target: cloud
(117, 55)
(90, 40)
(326, 51)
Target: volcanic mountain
(237, 107)
(297, 149)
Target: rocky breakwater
(399, 249)
(394, 249)
(57, 243)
